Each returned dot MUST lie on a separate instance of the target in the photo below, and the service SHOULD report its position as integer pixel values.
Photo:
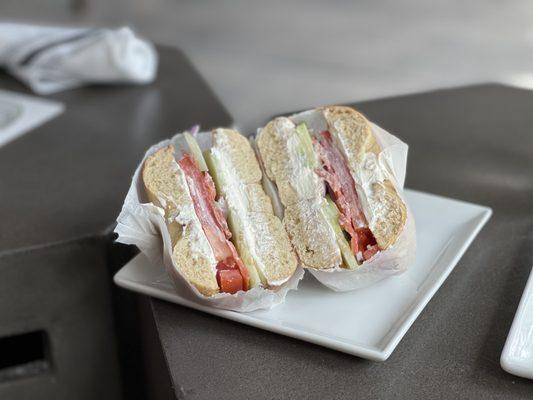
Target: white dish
(369, 322)
(517, 355)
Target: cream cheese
(373, 170)
(236, 197)
(223, 206)
(303, 179)
(185, 215)
(367, 171)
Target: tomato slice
(226, 264)
(230, 280)
(369, 253)
(362, 239)
(203, 196)
(214, 224)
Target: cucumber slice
(234, 224)
(195, 151)
(306, 146)
(332, 214)
(237, 232)
(212, 167)
(268, 186)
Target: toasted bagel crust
(294, 180)
(300, 191)
(166, 187)
(357, 138)
(311, 235)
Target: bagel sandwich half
(224, 234)
(341, 204)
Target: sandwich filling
(341, 187)
(232, 275)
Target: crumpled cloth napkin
(51, 59)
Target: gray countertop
(67, 179)
(61, 188)
(471, 143)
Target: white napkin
(51, 59)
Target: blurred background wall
(268, 57)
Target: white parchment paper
(142, 224)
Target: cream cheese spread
(236, 197)
(185, 215)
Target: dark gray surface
(63, 291)
(61, 188)
(472, 143)
(68, 179)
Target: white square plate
(369, 322)
(517, 355)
